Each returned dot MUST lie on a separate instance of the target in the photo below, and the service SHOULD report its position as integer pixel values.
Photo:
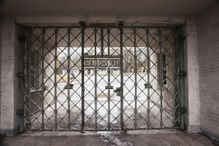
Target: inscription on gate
(101, 61)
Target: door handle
(108, 87)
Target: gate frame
(179, 51)
(11, 44)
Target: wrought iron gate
(102, 77)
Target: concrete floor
(109, 139)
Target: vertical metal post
(55, 78)
(69, 71)
(42, 78)
(82, 75)
(148, 78)
(108, 47)
(121, 74)
(28, 77)
(135, 72)
(26, 91)
(160, 69)
(95, 76)
(182, 101)
(175, 78)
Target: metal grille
(102, 77)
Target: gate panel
(129, 78)
(101, 78)
(49, 80)
(75, 79)
(114, 79)
(148, 78)
(61, 79)
(90, 79)
(141, 74)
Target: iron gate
(102, 77)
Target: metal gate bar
(161, 75)
(135, 72)
(68, 71)
(27, 117)
(108, 72)
(42, 84)
(95, 74)
(55, 81)
(148, 77)
(82, 75)
(121, 75)
(154, 101)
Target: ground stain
(113, 140)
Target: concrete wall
(0, 58)
(208, 44)
(193, 100)
(7, 76)
(19, 80)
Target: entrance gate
(102, 77)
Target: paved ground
(108, 139)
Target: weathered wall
(192, 80)
(208, 44)
(7, 76)
(11, 63)
(18, 78)
(0, 59)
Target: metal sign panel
(101, 61)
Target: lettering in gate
(102, 61)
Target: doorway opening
(102, 77)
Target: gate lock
(118, 91)
(182, 73)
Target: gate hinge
(20, 112)
(181, 37)
(182, 73)
(21, 38)
(183, 110)
(20, 75)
